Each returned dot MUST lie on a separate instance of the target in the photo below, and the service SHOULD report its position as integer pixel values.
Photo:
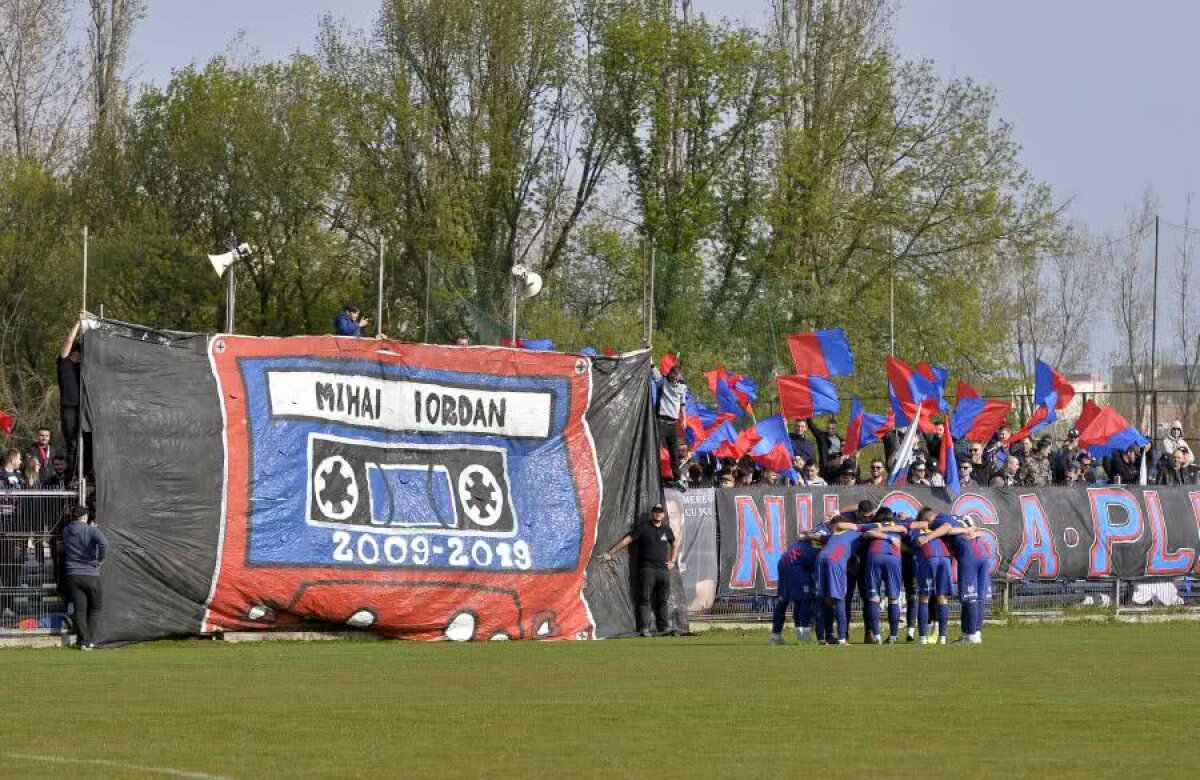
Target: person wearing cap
(657, 551)
(349, 321)
(1126, 467)
(84, 547)
(1036, 470)
(1064, 455)
(1178, 472)
(1074, 477)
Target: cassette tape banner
(418, 491)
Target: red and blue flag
(802, 396)
(822, 353)
(949, 464)
(735, 393)
(1107, 432)
(700, 421)
(938, 376)
(975, 418)
(862, 429)
(910, 391)
(1051, 394)
(721, 441)
(772, 449)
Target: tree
(1131, 277)
(110, 26)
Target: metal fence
(30, 550)
(1032, 599)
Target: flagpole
(80, 480)
(1154, 343)
(379, 293)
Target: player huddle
(879, 554)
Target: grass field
(1054, 701)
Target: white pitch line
(159, 770)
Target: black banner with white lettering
(418, 491)
(1047, 533)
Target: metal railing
(31, 524)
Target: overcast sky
(1102, 94)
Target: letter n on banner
(759, 543)
(1103, 501)
(1159, 562)
(1037, 541)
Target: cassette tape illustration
(416, 490)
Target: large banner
(418, 491)
(1048, 533)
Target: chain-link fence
(30, 550)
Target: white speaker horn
(222, 262)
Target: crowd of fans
(1040, 462)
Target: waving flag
(1089, 412)
(667, 362)
(909, 391)
(949, 465)
(1051, 394)
(721, 441)
(938, 376)
(772, 448)
(6, 423)
(863, 428)
(822, 353)
(975, 418)
(541, 345)
(802, 397)
(735, 393)
(700, 421)
(1108, 432)
(904, 456)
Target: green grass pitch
(1049, 701)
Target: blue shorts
(933, 576)
(883, 576)
(796, 582)
(973, 582)
(831, 580)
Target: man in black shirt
(657, 552)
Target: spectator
(1064, 455)
(827, 443)
(933, 441)
(770, 478)
(32, 472)
(1126, 468)
(832, 470)
(57, 480)
(966, 476)
(812, 475)
(802, 444)
(84, 547)
(1178, 472)
(744, 476)
(349, 321)
(918, 474)
(69, 359)
(11, 476)
(669, 408)
(1091, 471)
(726, 480)
(1036, 471)
(1174, 440)
(1074, 475)
(44, 452)
(980, 470)
(878, 475)
(1007, 476)
(849, 476)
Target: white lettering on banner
(404, 405)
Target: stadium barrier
(30, 551)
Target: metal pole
(379, 294)
(1154, 344)
(428, 289)
(892, 305)
(650, 318)
(230, 295)
(81, 482)
(514, 311)
(645, 287)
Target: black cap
(352, 307)
(1073, 433)
(1045, 441)
(657, 508)
(78, 512)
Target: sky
(1101, 94)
